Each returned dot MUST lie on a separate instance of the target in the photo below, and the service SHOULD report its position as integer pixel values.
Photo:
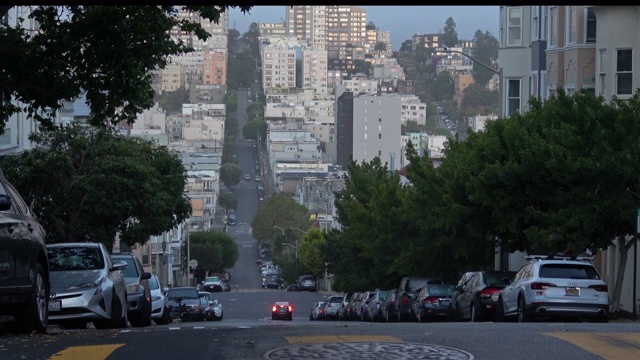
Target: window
(535, 22)
(572, 25)
(379, 136)
(513, 96)
(603, 71)
(514, 31)
(553, 26)
(624, 74)
(591, 26)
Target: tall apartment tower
(314, 70)
(215, 67)
(346, 29)
(308, 24)
(279, 65)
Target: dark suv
(307, 283)
(24, 266)
(138, 290)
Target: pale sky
(402, 21)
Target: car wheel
(273, 317)
(165, 318)
(35, 314)
(290, 317)
(116, 315)
(143, 318)
(499, 311)
(522, 313)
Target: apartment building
(314, 70)
(426, 41)
(18, 126)
(361, 84)
(193, 66)
(279, 64)
(412, 109)
(376, 129)
(272, 29)
(215, 67)
(173, 78)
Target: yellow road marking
(92, 352)
(322, 339)
(611, 346)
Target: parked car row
(546, 287)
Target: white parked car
(159, 304)
(555, 287)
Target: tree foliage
(87, 184)
(279, 210)
(230, 174)
(486, 51)
(443, 87)
(228, 201)
(380, 47)
(171, 101)
(81, 48)
(312, 250)
(215, 251)
(255, 128)
(449, 34)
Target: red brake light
(541, 286)
(487, 292)
(405, 300)
(275, 308)
(602, 288)
(431, 300)
(290, 308)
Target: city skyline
(402, 21)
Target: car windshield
(131, 271)
(335, 300)
(440, 290)
(568, 271)
(153, 283)
(68, 258)
(382, 295)
(498, 278)
(182, 293)
(212, 279)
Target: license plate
(55, 305)
(573, 291)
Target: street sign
(193, 263)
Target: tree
(231, 101)
(230, 174)
(486, 52)
(449, 34)
(228, 201)
(215, 251)
(361, 66)
(311, 251)
(171, 101)
(443, 87)
(477, 100)
(255, 109)
(406, 46)
(380, 46)
(371, 26)
(366, 251)
(281, 210)
(81, 48)
(251, 41)
(561, 177)
(255, 128)
(92, 184)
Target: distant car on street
(282, 310)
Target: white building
(412, 110)
(360, 84)
(279, 64)
(314, 70)
(376, 129)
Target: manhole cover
(375, 350)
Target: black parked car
(190, 298)
(24, 266)
(138, 290)
(273, 282)
(476, 300)
(432, 302)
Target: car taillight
(275, 308)
(405, 300)
(541, 286)
(602, 288)
(290, 308)
(490, 292)
(377, 302)
(431, 300)
(368, 301)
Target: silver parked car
(213, 311)
(86, 285)
(555, 287)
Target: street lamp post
(498, 72)
(292, 228)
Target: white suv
(555, 286)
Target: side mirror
(146, 276)
(164, 290)
(5, 202)
(118, 265)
